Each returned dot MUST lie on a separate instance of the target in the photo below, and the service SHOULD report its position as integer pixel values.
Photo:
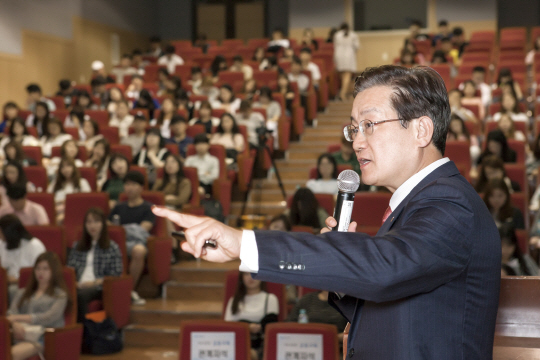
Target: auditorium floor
(137, 353)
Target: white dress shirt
(249, 253)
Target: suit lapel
(446, 170)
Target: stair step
(194, 291)
(148, 335)
(171, 312)
(269, 195)
(269, 208)
(200, 271)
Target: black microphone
(348, 183)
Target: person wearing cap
(98, 70)
(136, 216)
(207, 165)
(136, 139)
(170, 59)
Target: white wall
(466, 10)
(316, 13)
(54, 17)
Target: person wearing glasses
(427, 285)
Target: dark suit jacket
(426, 287)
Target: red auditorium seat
(151, 73)
(99, 116)
(90, 174)
(459, 153)
(194, 130)
(241, 332)
(33, 152)
(122, 149)
(232, 43)
(3, 299)
(517, 173)
(111, 134)
(37, 175)
(329, 346)
(47, 201)
(523, 240)
(52, 237)
(369, 208)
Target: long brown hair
(241, 292)
(104, 241)
(492, 161)
(57, 278)
(179, 175)
(61, 180)
(507, 210)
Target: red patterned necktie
(386, 214)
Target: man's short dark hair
(296, 60)
(196, 70)
(127, 56)
(33, 88)
(479, 69)
(139, 116)
(238, 58)
(446, 39)
(134, 176)
(443, 23)
(64, 84)
(305, 50)
(97, 81)
(136, 52)
(417, 92)
(178, 119)
(16, 191)
(154, 39)
(458, 31)
(170, 49)
(200, 138)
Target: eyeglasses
(366, 127)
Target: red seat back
(369, 208)
(111, 134)
(3, 293)
(47, 201)
(52, 237)
(122, 149)
(99, 116)
(517, 173)
(459, 153)
(118, 235)
(33, 152)
(240, 329)
(37, 175)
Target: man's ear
(424, 131)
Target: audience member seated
(75, 118)
(196, 79)
(513, 261)
(250, 89)
(457, 131)
(454, 98)
(115, 97)
(13, 173)
(298, 77)
(259, 55)
(327, 173)
(14, 152)
(498, 146)
(155, 47)
(98, 71)
(533, 159)
(251, 120)
(122, 119)
(444, 31)
(280, 223)
(307, 64)
(492, 168)
(67, 91)
(208, 89)
(152, 155)
(226, 100)
(305, 210)
(171, 86)
(201, 42)
(170, 59)
(135, 87)
(179, 136)
(285, 89)
(163, 121)
(252, 304)
(218, 65)
(146, 101)
(136, 216)
(29, 212)
(273, 111)
(184, 103)
(99, 90)
(39, 118)
(448, 50)
(207, 165)
(69, 151)
(507, 126)
(68, 181)
(510, 106)
(228, 134)
(458, 40)
(308, 39)
(55, 136)
(316, 307)
(114, 186)
(93, 257)
(10, 112)
(278, 41)
(529, 59)
(479, 79)
(18, 133)
(174, 185)
(18, 249)
(346, 156)
(136, 140)
(89, 134)
(238, 65)
(163, 75)
(123, 69)
(42, 303)
(470, 98)
(407, 58)
(99, 159)
(35, 96)
(505, 77)
(138, 62)
(498, 202)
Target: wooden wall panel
(249, 20)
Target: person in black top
(136, 216)
(496, 144)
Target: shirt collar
(405, 188)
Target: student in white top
(510, 105)
(228, 134)
(90, 134)
(18, 249)
(251, 120)
(252, 304)
(122, 119)
(99, 159)
(273, 112)
(170, 59)
(55, 136)
(239, 66)
(226, 100)
(278, 41)
(508, 127)
(207, 165)
(68, 150)
(152, 155)
(307, 64)
(169, 108)
(18, 133)
(327, 173)
(135, 87)
(205, 118)
(479, 80)
(68, 181)
(296, 75)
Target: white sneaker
(136, 299)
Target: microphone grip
(343, 211)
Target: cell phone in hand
(181, 236)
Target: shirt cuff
(249, 253)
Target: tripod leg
(280, 183)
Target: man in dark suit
(427, 286)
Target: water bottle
(116, 219)
(302, 317)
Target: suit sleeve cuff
(249, 253)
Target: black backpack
(213, 209)
(101, 337)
